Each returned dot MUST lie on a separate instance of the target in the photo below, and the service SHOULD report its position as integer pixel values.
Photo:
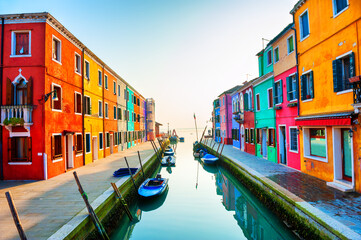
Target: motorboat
(168, 152)
(199, 153)
(168, 160)
(209, 159)
(121, 172)
(181, 139)
(153, 186)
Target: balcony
(239, 117)
(17, 115)
(356, 83)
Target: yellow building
(328, 55)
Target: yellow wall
(93, 124)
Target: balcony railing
(239, 117)
(16, 112)
(356, 81)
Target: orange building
(328, 39)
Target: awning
(338, 119)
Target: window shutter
(311, 85)
(281, 92)
(297, 89)
(9, 92)
(9, 149)
(337, 75)
(75, 142)
(303, 87)
(52, 147)
(29, 149)
(246, 102)
(30, 91)
(288, 83)
(275, 96)
(75, 103)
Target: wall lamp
(46, 96)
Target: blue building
(217, 131)
(235, 113)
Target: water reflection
(151, 204)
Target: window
(138, 102)
(77, 63)
(22, 91)
(259, 136)
(278, 97)
(115, 138)
(258, 103)
(77, 102)
(87, 143)
(100, 141)
(251, 137)
(100, 80)
(246, 135)
(56, 146)
(304, 25)
(78, 143)
(271, 137)
(317, 142)
(107, 140)
(276, 54)
(339, 6)
(21, 43)
(115, 88)
(138, 118)
(105, 81)
(19, 149)
(87, 105)
(106, 110)
(293, 139)
(269, 57)
(87, 70)
(292, 89)
(56, 49)
(270, 97)
(119, 138)
(100, 108)
(307, 86)
(119, 114)
(290, 44)
(56, 102)
(115, 112)
(118, 90)
(343, 69)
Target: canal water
(202, 202)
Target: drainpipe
(298, 75)
(104, 137)
(1, 96)
(83, 107)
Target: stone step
(342, 186)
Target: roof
(230, 90)
(159, 124)
(48, 18)
(297, 6)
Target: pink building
(286, 98)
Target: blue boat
(181, 139)
(124, 172)
(209, 159)
(153, 187)
(169, 152)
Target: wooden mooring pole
(131, 175)
(156, 152)
(141, 165)
(218, 147)
(122, 201)
(93, 216)
(220, 154)
(16, 218)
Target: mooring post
(131, 175)
(91, 212)
(214, 144)
(16, 218)
(220, 154)
(218, 147)
(203, 134)
(156, 152)
(141, 165)
(122, 201)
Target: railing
(356, 91)
(17, 112)
(239, 117)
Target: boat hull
(168, 160)
(209, 159)
(147, 191)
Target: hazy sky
(182, 53)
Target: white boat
(168, 160)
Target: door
(346, 155)
(282, 145)
(69, 151)
(95, 149)
(242, 137)
(264, 142)
(111, 143)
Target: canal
(202, 202)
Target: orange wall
(286, 61)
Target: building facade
(248, 124)
(236, 116)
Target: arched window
(21, 93)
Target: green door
(346, 155)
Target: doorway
(346, 155)
(242, 137)
(282, 145)
(95, 149)
(111, 143)
(264, 143)
(69, 151)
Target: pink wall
(226, 116)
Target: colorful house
(130, 117)
(285, 97)
(247, 123)
(121, 113)
(217, 120)
(328, 56)
(264, 112)
(150, 123)
(236, 116)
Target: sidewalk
(45, 206)
(340, 210)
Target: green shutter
(311, 85)
(245, 102)
(303, 87)
(288, 83)
(297, 94)
(281, 92)
(337, 75)
(275, 97)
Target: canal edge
(315, 224)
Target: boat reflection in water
(153, 203)
(253, 218)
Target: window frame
(106, 82)
(75, 60)
(100, 113)
(100, 78)
(268, 97)
(293, 75)
(300, 22)
(29, 151)
(258, 103)
(342, 56)
(251, 136)
(118, 90)
(334, 8)
(274, 54)
(290, 139)
(87, 69)
(85, 107)
(13, 43)
(79, 152)
(288, 47)
(115, 112)
(308, 72)
(307, 143)
(76, 103)
(106, 110)
(268, 58)
(279, 97)
(90, 139)
(107, 140)
(57, 158)
(59, 98)
(274, 137)
(101, 140)
(59, 50)
(115, 87)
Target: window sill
(288, 53)
(293, 100)
(56, 61)
(57, 160)
(316, 158)
(293, 151)
(88, 153)
(307, 100)
(56, 110)
(344, 91)
(304, 38)
(337, 14)
(78, 154)
(78, 73)
(78, 114)
(19, 163)
(17, 56)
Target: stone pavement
(45, 206)
(331, 205)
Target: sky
(181, 53)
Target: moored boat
(168, 160)
(209, 159)
(181, 139)
(199, 153)
(124, 172)
(153, 187)
(169, 152)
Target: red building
(247, 127)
